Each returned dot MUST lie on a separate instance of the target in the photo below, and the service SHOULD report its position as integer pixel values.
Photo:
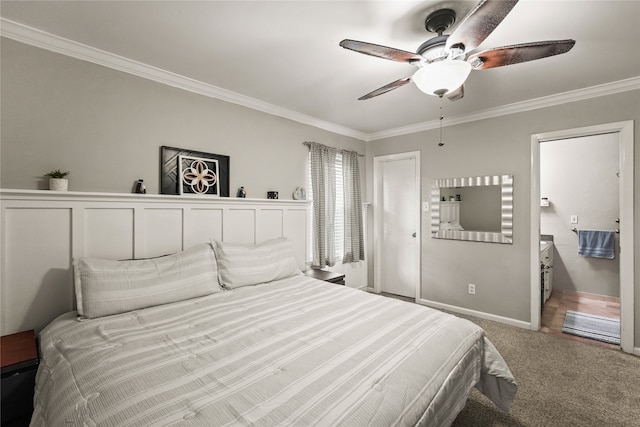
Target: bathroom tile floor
(560, 301)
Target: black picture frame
(169, 180)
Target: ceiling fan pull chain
(440, 144)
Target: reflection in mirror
(480, 207)
(473, 208)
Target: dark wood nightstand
(327, 276)
(19, 354)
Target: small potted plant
(57, 180)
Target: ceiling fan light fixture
(442, 77)
(445, 61)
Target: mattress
(295, 352)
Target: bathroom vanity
(546, 269)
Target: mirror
(473, 208)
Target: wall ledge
(22, 194)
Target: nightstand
(327, 276)
(19, 354)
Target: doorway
(579, 185)
(397, 224)
(623, 132)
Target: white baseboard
(368, 289)
(480, 314)
(636, 351)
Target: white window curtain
(337, 205)
(323, 184)
(353, 232)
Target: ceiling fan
(445, 61)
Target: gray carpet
(560, 383)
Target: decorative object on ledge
(198, 176)
(170, 181)
(272, 195)
(242, 193)
(58, 180)
(140, 188)
(300, 194)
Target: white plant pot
(58, 184)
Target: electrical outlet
(574, 219)
(472, 289)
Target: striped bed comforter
(296, 352)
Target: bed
(228, 335)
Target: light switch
(574, 219)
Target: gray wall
(106, 127)
(578, 176)
(493, 147)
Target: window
(337, 208)
(339, 219)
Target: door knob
(413, 235)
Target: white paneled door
(397, 223)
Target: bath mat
(600, 328)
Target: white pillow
(105, 287)
(245, 265)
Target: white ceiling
(286, 54)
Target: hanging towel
(597, 244)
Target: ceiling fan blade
(380, 51)
(524, 52)
(384, 89)
(479, 23)
(454, 95)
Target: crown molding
(34, 37)
(518, 107)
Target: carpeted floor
(560, 383)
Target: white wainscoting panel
(41, 232)
(204, 225)
(239, 226)
(36, 257)
(294, 220)
(162, 232)
(269, 224)
(100, 225)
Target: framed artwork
(176, 161)
(198, 176)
